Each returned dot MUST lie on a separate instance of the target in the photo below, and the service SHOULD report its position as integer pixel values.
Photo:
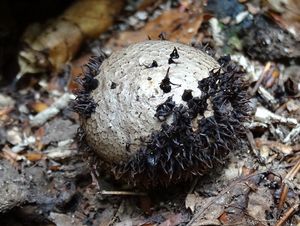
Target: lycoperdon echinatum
(160, 112)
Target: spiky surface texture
(199, 137)
(178, 151)
(84, 104)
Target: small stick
(126, 193)
(259, 81)
(294, 132)
(283, 195)
(253, 146)
(289, 213)
(284, 189)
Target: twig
(51, 111)
(267, 96)
(126, 193)
(294, 132)
(283, 195)
(259, 81)
(117, 213)
(288, 214)
(264, 115)
(253, 146)
(284, 188)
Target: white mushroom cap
(129, 93)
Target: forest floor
(45, 179)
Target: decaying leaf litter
(58, 184)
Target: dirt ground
(48, 179)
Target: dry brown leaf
(246, 171)
(149, 224)
(93, 16)
(287, 15)
(4, 114)
(285, 149)
(55, 168)
(39, 106)
(34, 156)
(173, 220)
(51, 47)
(224, 218)
(229, 205)
(177, 25)
(142, 5)
(54, 46)
(11, 156)
(76, 71)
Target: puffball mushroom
(159, 112)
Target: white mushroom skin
(129, 93)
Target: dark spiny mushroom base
(178, 151)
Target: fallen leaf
(173, 220)
(247, 171)
(177, 25)
(8, 154)
(76, 71)
(14, 135)
(64, 220)
(34, 156)
(50, 47)
(149, 224)
(287, 16)
(286, 149)
(259, 203)
(55, 168)
(39, 106)
(224, 218)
